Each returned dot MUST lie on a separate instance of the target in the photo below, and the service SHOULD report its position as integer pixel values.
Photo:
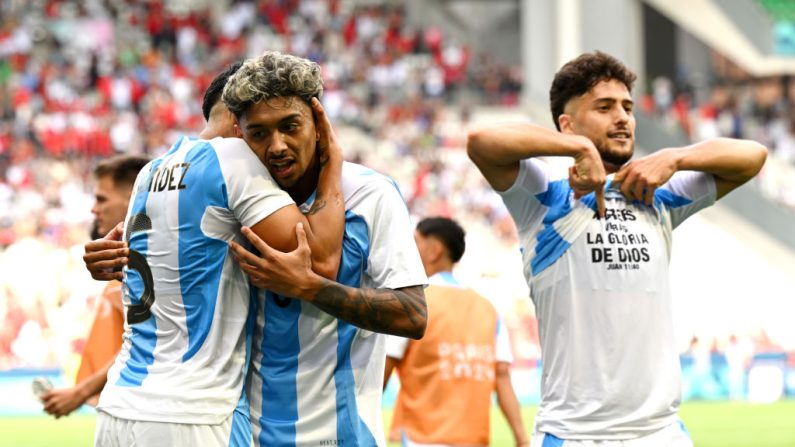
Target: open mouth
(282, 168)
(619, 136)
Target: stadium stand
(83, 80)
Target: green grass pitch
(712, 424)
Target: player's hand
(105, 257)
(588, 175)
(328, 147)
(639, 179)
(61, 402)
(282, 273)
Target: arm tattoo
(389, 311)
(317, 205)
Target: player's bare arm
(62, 402)
(496, 151)
(732, 162)
(389, 311)
(400, 312)
(509, 404)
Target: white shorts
(674, 435)
(115, 432)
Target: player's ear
(236, 127)
(566, 123)
(435, 249)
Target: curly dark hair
(581, 74)
(272, 75)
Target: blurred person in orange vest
(114, 182)
(447, 378)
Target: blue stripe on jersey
(240, 435)
(355, 251)
(241, 425)
(590, 200)
(143, 338)
(550, 244)
(278, 369)
(552, 441)
(666, 197)
(201, 258)
(448, 278)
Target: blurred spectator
(737, 106)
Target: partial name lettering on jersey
(168, 178)
(616, 241)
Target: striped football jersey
(186, 300)
(315, 379)
(600, 288)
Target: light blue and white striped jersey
(600, 288)
(187, 301)
(316, 380)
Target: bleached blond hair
(272, 75)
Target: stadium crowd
(738, 106)
(82, 80)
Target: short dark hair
(213, 93)
(123, 169)
(581, 74)
(448, 231)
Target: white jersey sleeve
(396, 346)
(394, 261)
(532, 182)
(686, 193)
(252, 193)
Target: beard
(615, 156)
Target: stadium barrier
(768, 377)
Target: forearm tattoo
(317, 205)
(397, 312)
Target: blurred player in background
(114, 182)
(447, 378)
(317, 363)
(596, 252)
(180, 371)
